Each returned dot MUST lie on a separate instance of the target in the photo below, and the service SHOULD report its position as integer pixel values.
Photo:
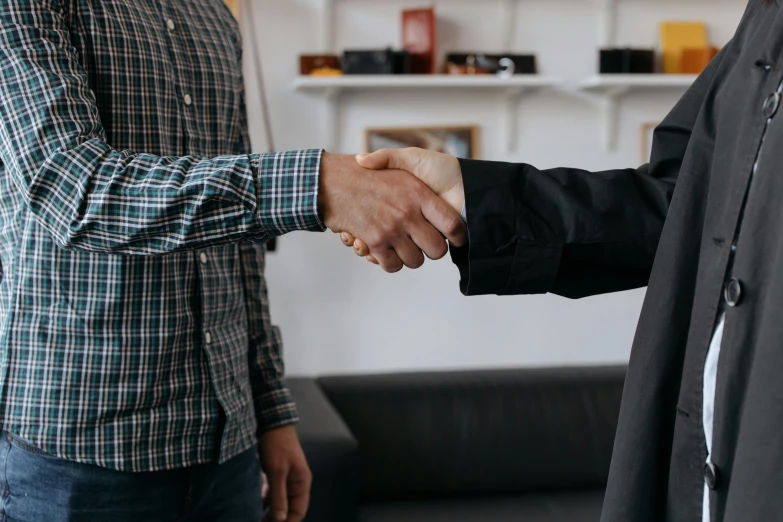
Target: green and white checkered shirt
(134, 321)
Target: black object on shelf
(387, 61)
(627, 61)
(523, 63)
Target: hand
(440, 172)
(284, 463)
(396, 214)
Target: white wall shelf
(603, 83)
(422, 81)
(604, 91)
(511, 89)
(607, 91)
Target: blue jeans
(36, 487)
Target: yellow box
(234, 6)
(676, 36)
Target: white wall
(341, 315)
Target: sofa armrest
(332, 453)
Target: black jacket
(671, 223)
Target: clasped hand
(394, 206)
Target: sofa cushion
(565, 507)
(494, 432)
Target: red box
(418, 37)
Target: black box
(386, 61)
(627, 61)
(523, 63)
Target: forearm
(558, 231)
(90, 196)
(93, 198)
(572, 232)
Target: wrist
(323, 183)
(330, 189)
(455, 196)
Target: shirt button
(208, 337)
(203, 258)
(733, 292)
(170, 24)
(711, 476)
(771, 105)
(187, 99)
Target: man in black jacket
(702, 224)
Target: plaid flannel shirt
(134, 322)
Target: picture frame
(461, 141)
(648, 130)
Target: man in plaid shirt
(139, 368)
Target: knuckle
(420, 191)
(440, 251)
(375, 240)
(393, 267)
(399, 213)
(392, 232)
(453, 226)
(277, 470)
(410, 213)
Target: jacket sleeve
(91, 197)
(568, 231)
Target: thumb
(278, 495)
(401, 159)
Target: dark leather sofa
(528, 445)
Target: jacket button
(771, 105)
(711, 476)
(733, 292)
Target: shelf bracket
(511, 116)
(610, 115)
(608, 103)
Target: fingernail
(281, 516)
(362, 156)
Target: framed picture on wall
(648, 129)
(459, 141)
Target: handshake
(394, 206)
